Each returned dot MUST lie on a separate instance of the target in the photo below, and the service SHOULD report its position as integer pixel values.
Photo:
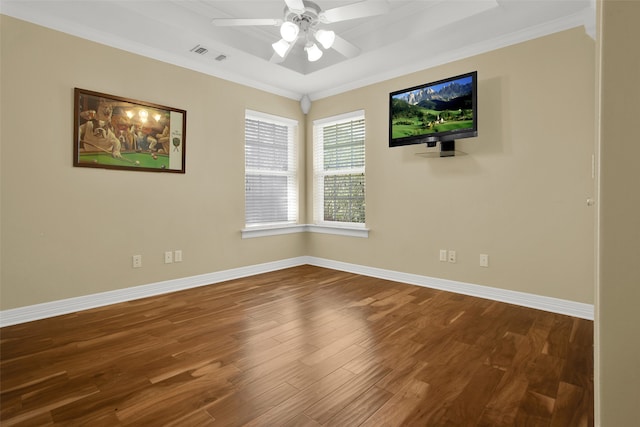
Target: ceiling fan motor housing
(306, 19)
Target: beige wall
(617, 316)
(518, 195)
(71, 231)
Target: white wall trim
(56, 308)
(71, 305)
(339, 230)
(275, 230)
(539, 302)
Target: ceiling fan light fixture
(326, 38)
(281, 47)
(289, 31)
(313, 52)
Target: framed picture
(112, 132)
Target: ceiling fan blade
(355, 10)
(345, 48)
(234, 22)
(295, 5)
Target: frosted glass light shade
(289, 31)
(326, 38)
(313, 52)
(281, 47)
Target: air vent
(200, 50)
(221, 57)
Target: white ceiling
(414, 35)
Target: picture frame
(113, 132)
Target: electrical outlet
(484, 260)
(168, 257)
(177, 255)
(452, 256)
(137, 261)
(443, 255)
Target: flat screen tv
(441, 111)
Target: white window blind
(339, 177)
(271, 184)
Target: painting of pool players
(97, 133)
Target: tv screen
(434, 112)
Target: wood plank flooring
(305, 346)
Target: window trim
(293, 207)
(277, 230)
(318, 206)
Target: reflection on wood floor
(302, 346)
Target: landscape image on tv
(437, 108)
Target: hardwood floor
(305, 346)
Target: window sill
(276, 230)
(272, 230)
(340, 230)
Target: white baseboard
(56, 308)
(554, 305)
(72, 305)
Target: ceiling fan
(303, 21)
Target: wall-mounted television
(440, 111)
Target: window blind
(270, 170)
(339, 169)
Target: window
(339, 180)
(271, 183)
